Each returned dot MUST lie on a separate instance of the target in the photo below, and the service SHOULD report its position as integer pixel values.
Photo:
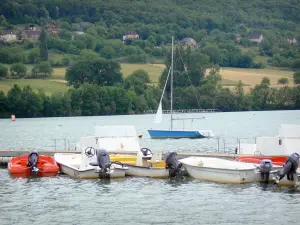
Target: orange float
(45, 166)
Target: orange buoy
(13, 117)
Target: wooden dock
(6, 155)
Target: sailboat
(161, 134)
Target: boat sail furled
(159, 134)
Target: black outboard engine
(103, 161)
(173, 164)
(289, 168)
(32, 162)
(265, 168)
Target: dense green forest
(88, 35)
(214, 25)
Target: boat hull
(89, 173)
(161, 134)
(142, 171)
(222, 176)
(47, 166)
(220, 170)
(71, 165)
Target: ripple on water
(133, 200)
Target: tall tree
(43, 46)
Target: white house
(256, 37)
(292, 40)
(8, 35)
(130, 35)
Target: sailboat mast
(172, 84)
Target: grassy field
(59, 73)
(252, 77)
(154, 71)
(49, 86)
(231, 76)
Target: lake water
(63, 200)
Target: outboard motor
(103, 161)
(173, 164)
(265, 168)
(289, 168)
(32, 162)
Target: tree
(88, 54)
(90, 100)
(296, 77)
(265, 80)
(3, 104)
(42, 69)
(34, 56)
(32, 103)
(108, 52)
(3, 71)
(14, 101)
(3, 21)
(283, 80)
(96, 71)
(18, 70)
(43, 46)
(137, 81)
(213, 52)
(296, 64)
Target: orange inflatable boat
(33, 165)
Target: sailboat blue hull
(161, 134)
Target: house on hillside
(52, 29)
(31, 34)
(130, 35)
(255, 37)
(30, 27)
(8, 35)
(84, 24)
(238, 37)
(188, 42)
(77, 32)
(292, 40)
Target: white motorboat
(125, 156)
(220, 170)
(234, 172)
(148, 164)
(92, 160)
(78, 166)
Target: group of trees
(136, 96)
(97, 85)
(98, 88)
(37, 56)
(213, 26)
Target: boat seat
(156, 160)
(156, 156)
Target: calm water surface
(63, 200)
